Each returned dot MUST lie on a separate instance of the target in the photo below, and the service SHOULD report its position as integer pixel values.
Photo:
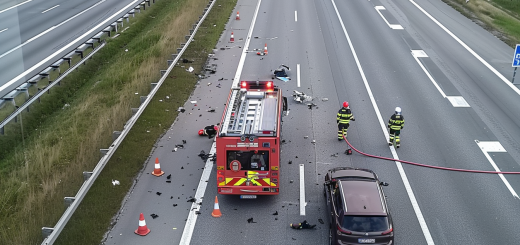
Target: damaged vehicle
(357, 207)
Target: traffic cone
(265, 49)
(142, 230)
(238, 16)
(157, 171)
(232, 39)
(216, 210)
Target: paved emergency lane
(36, 30)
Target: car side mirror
(383, 183)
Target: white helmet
(398, 110)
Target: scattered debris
(158, 193)
(211, 110)
(305, 137)
(281, 73)
(302, 225)
(291, 181)
(179, 146)
(169, 176)
(313, 141)
(197, 212)
(301, 97)
(154, 216)
(334, 155)
(183, 141)
(290, 162)
(321, 221)
(175, 204)
(192, 199)
(181, 109)
(190, 69)
(310, 105)
(325, 99)
(250, 220)
(115, 182)
(275, 213)
(168, 181)
(218, 86)
(186, 61)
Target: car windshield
(365, 223)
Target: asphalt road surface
(449, 76)
(35, 33)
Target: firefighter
(209, 131)
(343, 120)
(395, 124)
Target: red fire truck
(248, 140)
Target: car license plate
(247, 196)
(367, 240)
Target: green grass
(62, 142)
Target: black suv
(357, 207)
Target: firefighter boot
(397, 141)
(391, 140)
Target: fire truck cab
(248, 140)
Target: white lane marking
(192, 216)
(507, 82)
(3, 30)
(393, 26)
(298, 75)
(50, 9)
(15, 6)
(495, 146)
(52, 56)
(302, 190)
(421, 54)
(458, 101)
(409, 191)
(295, 16)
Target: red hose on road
(428, 166)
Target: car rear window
(365, 223)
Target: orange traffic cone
(142, 230)
(216, 210)
(238, 16)
(232, 39)
(265, 49)
(157, 171)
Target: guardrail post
(170, 62)
(68, 201)
(2, 130)
(143, 98)
(46, 231)
(144, 5)
(174, 56)
(163, 72)
(148, 1)
(179, 50)
(86, 175)
(103, 152)
(134, 110)
(115, 135)
(153, 85)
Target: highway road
(35, 33)
(448, 75)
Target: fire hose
(428, 166)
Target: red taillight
(387, 232)
(243, 85)
(269, 84)
(343, 230)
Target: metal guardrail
(74, 202)
(67, 58)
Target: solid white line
(52, 56)
(295, 16)
(192, 216)
(298, 75)
(395, 27)
(470, 50)
(409, 191)
(15, 6)
(421, 54)
(495, 146)
(50, 9)
(4, 30)
(302, 190)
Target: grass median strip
(64, 133)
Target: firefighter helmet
(201, 132)
(216, 128)
(345, 104)
(398, 110)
